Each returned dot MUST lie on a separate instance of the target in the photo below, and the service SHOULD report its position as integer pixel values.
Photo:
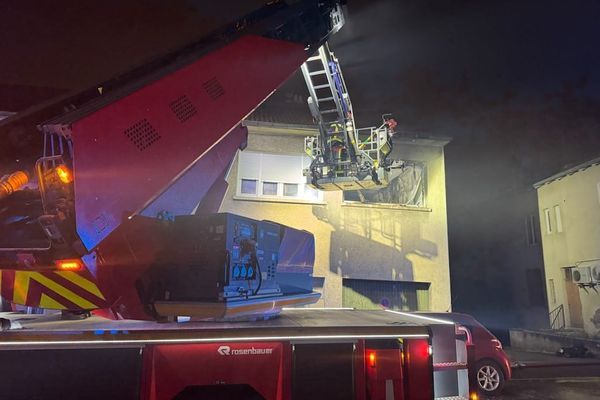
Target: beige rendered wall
(578, 197)
(360, 241)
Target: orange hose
(13, 182)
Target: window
(407, 187)
(532, 239)
(269, 189)
(559, 227)
(552, 291)
(548, 221)
(279, 177)
(290, 189)
(248, 186)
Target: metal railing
(557, 317)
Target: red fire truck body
(303, 354)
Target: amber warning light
(69, 265)
(64, 174)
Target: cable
(228, 265)
(258, 271)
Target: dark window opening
(366, 294)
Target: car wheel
(490, 378)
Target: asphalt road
(552, 389)
(577, 382)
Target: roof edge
(277, 128)
(567, 172)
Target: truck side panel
(70, 374)
(253, 370)
(176, 119)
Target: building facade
(569, 213)
(385, 248)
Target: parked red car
(489, 365)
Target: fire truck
(118, 217)
(305, 353)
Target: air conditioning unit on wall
(595, 273)
(582, 275)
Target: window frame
(304, 193)
(256, 182)
(558, 219)
(530, 225)
(266, 183)
(291, 184)
(548, 219)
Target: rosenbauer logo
(228, 351)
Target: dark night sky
(515, 83)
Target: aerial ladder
(343, 157)
(120, 211)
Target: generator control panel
(227, 257)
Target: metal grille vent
(183, 108)
(142, 134)
(213, 88)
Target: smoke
(514, 85)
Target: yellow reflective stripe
(64, 292)
(21, 287)
(80, 281)
(48, 302)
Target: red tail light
(497, 344)
(372, 359)
(423, 349)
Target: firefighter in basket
(337, 144)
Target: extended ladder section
(344, 158)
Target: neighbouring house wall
(578, 197)
(361, 241)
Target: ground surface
(552, 389)
(543, 376)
